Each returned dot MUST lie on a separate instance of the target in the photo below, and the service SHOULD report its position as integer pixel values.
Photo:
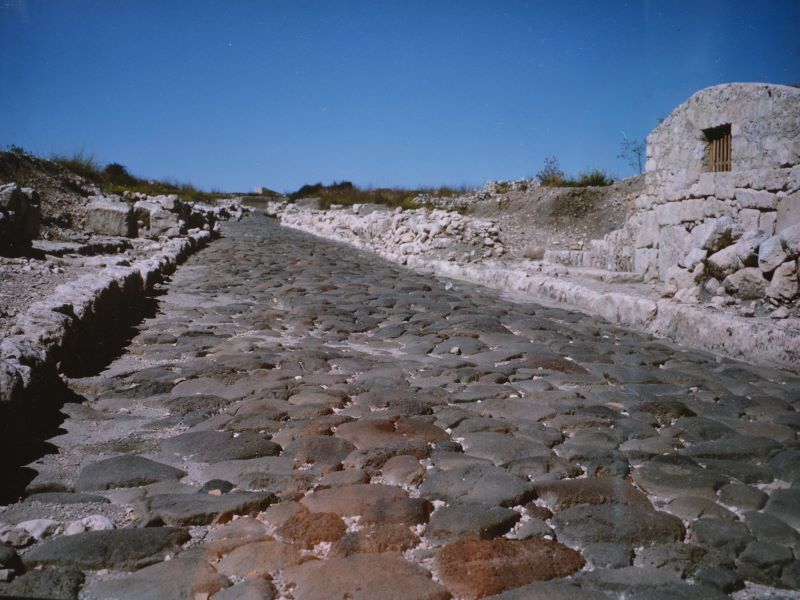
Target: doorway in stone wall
(719, 148)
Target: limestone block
(749, 218)
(747, 283)
(767, 222)
(724, 186)
(756, 199)
(703, 187)
(107, 217)
(673, 244)
(784, 284)
(747, 247)
(695, 257)
(167, 223)
(793, 179)
(645, 261)
(714, 234)
(790, 238)
(645, 202)
(678, 278)
(19, 215)
(647, 235)
(788, 211)
(723, 263)
(771, 254)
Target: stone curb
(755, 342)
(51, 327)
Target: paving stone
(742, 496)
(718, 578)
(618, 523)
(403, 470)
(501, 448)
(216, 446)
(252, 589)
(683, 559)
(608, 555)
(763, 562)
(481, 483)
(473, 568)
(550, 590)
(262, 559)
(374, 539)
(729, 537)
(531, 528)
(112, 549)
(56, 583)
(318, 450)
(740, 447)
(375, 503)
(629, 580)
(689, 508)
(369, 433)
(364, 577)
(768, 528)
(785, 505)
(680, 591)
(465, 520)
(559, 495)
(185, 577)
(307, 529)
(125, 471)
(744, 472)
(66, 498)
(676, 476)
(200, 509)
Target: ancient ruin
(205, 401)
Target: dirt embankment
(559, 218)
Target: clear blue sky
(230, 95)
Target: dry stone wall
(720, 237)
(400, 234)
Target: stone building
(730, 152)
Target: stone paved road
(301, 420)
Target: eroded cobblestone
(321, 418)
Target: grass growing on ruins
(551, 175)
(346, 193)
(116, 179)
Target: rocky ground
(302, 420)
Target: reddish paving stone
(259, 559)
(363, 577)
(474, 568)
(306, 398)
(593, 490)
(351, 500)
(551, 362)
(306, 529)
(370, 433)
(375, 539)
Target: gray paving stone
(785, 505)
(216, 446)
(125, 471)
(55, 583)
(616, 523)
(183, 578)
(199, 509)
(462, 520)
(113, 549)
(481, 483)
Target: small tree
(551, 174)
(634, 152)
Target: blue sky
(230, 95)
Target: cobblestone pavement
(302, 420)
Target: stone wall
(699, 231)
(765, 130)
